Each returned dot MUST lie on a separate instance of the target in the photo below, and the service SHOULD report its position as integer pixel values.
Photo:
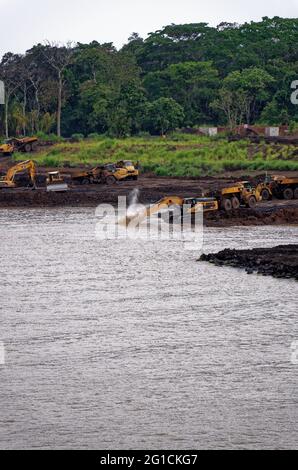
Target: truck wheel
(252, 202)
(265, 195)
(85, 181)
(227, 204)
(235, 203)
(288, 193)
(296, 193)
(111, 180)
(28, 148)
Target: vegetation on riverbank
(183, 75)
(176, 155)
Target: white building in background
(2, 92)
(210, 131)
(272, 131)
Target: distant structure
(2, 92)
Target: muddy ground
(151, 189)
(280, 261)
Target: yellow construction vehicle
(25, 144)
(99, 174)
(6, 149)
(55, 182)
(284, 187)
(170, 203)
(193, 204)
(121, 171)
(265, 190)
(126, 170)
(8, 181)
(109, 173)
(241, 194)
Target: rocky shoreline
(280, 261)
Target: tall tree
(163, 115)
(59, 58)
(12, 76)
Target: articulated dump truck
(242, 194)
(25, 145)
(109, 173)
(283, 187)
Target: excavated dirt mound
(280, 261)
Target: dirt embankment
(280, 261)
(150, 191)
(277, 213)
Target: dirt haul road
(150, 191)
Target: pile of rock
(280, 261)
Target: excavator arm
(166, 202)
(28, 165)
(195, 205)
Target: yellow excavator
(8, 181)
(192, 205)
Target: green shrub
(77, 137)
(95, 136)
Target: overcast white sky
(27, 22)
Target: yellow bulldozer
(55, 182)
(8, 181)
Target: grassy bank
(178, 155)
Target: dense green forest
(182, 75)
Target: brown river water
(130, 344)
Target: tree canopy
(181, 75)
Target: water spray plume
(135, 211)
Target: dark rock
(280, 261)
